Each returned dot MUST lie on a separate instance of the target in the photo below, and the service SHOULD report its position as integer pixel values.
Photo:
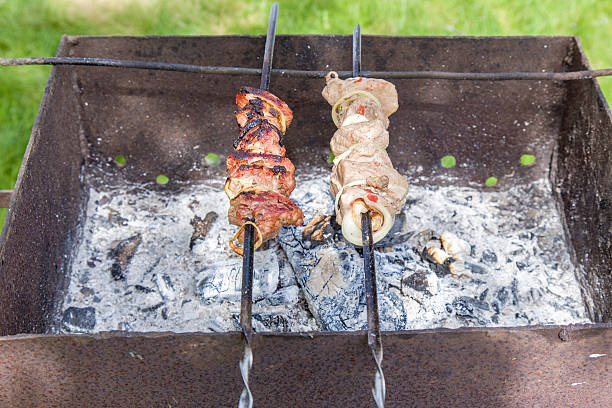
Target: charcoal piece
(143, 289)
(87, 291)
(332, 281)
(420, 239)
(470, 309)
(514, 289)
(417, 281)
(521, 265)
(489, 257)
(440, 269)
(117, 219)
(284, 296)
(214, 286)
(152, 308)
(483, 295)
(122, 254)
(502, 296)
(270, 322)
(164, 313)
(318, 231)
(165, 286)
(201, 227)
(474, 268)
(466, 302)
(79, 319)
(422, 281)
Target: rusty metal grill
(544, 366)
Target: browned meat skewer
(261, 178)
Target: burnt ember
(122, 255)
(79, 319)
(201, 227)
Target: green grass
(34, 28)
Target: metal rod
(269, 49)
(369, 268)
(206, 69)
(374, 338)
(356, 51)
(246, 301)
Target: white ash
(519, 266)
(515, 268)
(167, 286)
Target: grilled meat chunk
(260, 137)
(264, 104)
(267, 209)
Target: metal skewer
(299, 73)
(246, 300)
(369, 268)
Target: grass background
(34, 28)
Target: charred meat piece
(271, 172)
(266, 103)
(242, 157)
(267, 209)
(260, 137)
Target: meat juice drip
(520, 269)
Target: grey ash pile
(151, 261)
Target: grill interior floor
(159, 261)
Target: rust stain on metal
(5, 198)
(477, 368)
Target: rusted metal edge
(475, 369)
(5, 198)
(34, 136)
(363, 333)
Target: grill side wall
(584, 182)
(45, 211)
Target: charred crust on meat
(239, 155)
(260, 124)
(245, 90)
(279, 170)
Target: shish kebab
(368, 191)
(259, 183)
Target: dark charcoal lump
(143, 289)
(77, 319)
(474, 268)
(122, 254)
(489, 257)
(502, 296)
(270, 322)
(417, 281)
(469, 308)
